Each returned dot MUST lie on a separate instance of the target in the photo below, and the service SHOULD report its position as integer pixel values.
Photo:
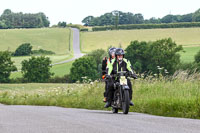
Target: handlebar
(122, 73)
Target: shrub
(42, 52)
(37, 69)
(148, 26)
(23, 50)
(64, 79)
(83, 69)
(84, 29)
(6, 66)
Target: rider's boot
(131, 103)
(108, 104)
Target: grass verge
(177, 98)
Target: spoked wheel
(125, 102)
(114, 110)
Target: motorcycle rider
(105, 63)
(118, 64)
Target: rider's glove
(108, 77)
(103, 77)
(134, 76)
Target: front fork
(122, 89)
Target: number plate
(123, 80)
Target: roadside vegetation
(176, 96)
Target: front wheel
(125, 102)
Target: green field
(62, 69)
(53, 58)
(102, 39)
(188, 37)
(58, 70)
(53, 39)
(188, 55)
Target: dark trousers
(110, 90)
(106, 89)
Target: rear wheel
(125, 102)
(114, 110)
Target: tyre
(125, 102)
(114, 110)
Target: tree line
(9, 20)
(120, 18)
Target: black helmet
(119, 51)
(111, 50)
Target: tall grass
(178, 96)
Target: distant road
(44, 119)
(76, 47)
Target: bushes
(42, 52)
(88, 68)
(83, 69)
(148, 26)
(64, 79)
(6, 66)
(84, 29)
(23, 50)
(98, 55)
(36, 69)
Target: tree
(20, 20)
(87, 20)
(62, 24)
(163, 53)
(167, 19)
(83, 69)
(186, 18)
(3, 25)
(23, 50)
(138, 18)
(136, 52)
(153, 20)
(196, 16)
(37, 69)
(98, 55)
(6, 66)
(146, 56)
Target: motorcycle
(121, 99)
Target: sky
(74, 11)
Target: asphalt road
(44, 119)
(76, 47)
